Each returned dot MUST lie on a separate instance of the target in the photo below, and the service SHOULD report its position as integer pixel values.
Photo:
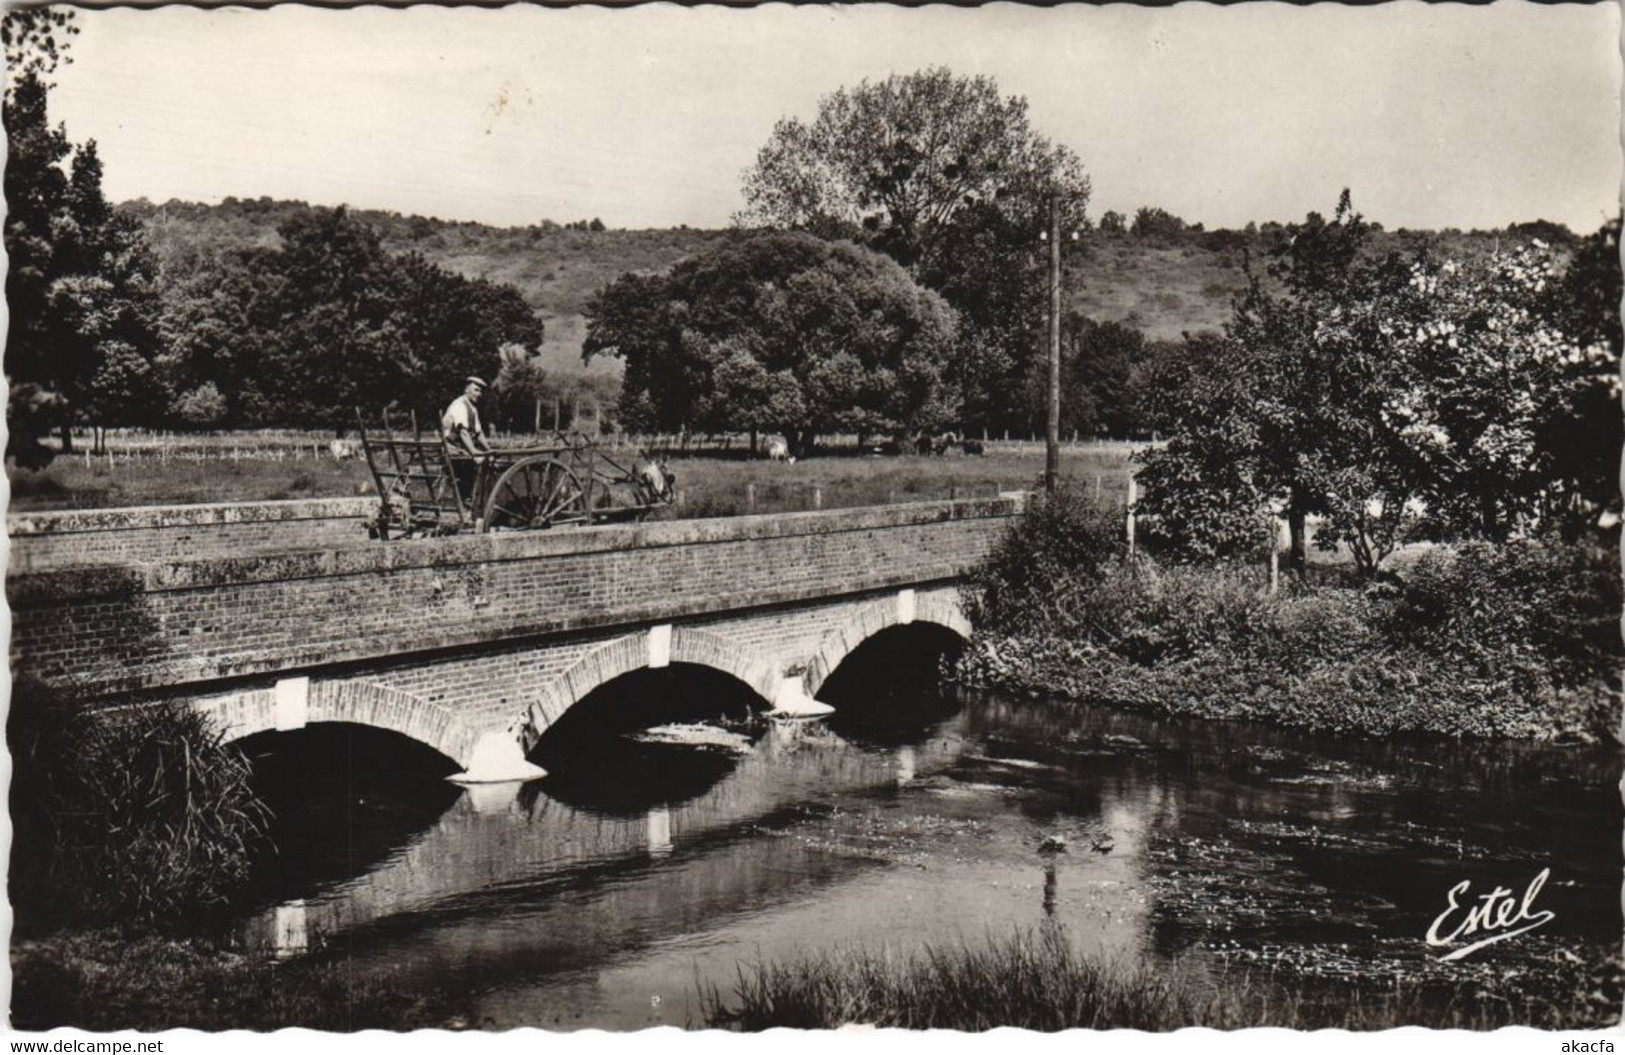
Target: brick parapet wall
(103, 630)
(161, 533)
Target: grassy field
(264, 467)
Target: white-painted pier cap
(660, 646)
(496, 759)
(792, 701)
(290, 704)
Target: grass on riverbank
(710, 485)
(1039, 982)
(102, 981)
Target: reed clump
(131, 815)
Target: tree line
(292, 335)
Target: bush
(123, 815)
(1044, 563)
(1489, 605)
(202, 407)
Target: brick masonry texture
(444, 639)
(157, 533)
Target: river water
(612, 893)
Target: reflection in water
(659, 825)
(576, 900)
(289, 933)
(905, 764)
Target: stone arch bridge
(273, 616)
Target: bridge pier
(792, 701)
(498, 758)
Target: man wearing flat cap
(460, 424)
(465, 438)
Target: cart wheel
(535, 493)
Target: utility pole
(1052, 439)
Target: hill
(1164, 283)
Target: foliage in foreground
(100, 981)
(1040, 982)
(1516, 640)
(126, 816)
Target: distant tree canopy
(1152, 222)
(301, 334)
(1101, 364)
(783, 332)
(948, 178)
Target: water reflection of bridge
(529, 845)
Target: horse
(646, 484)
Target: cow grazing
(778, 450)
(343, 450)
(976, 447)
(925, 443)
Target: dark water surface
(637, 873)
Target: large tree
(1287, 413)
(79, 286)
(1581, 424)
(1390, 395)
(948, 177)
(1517, 390)
(784, 332)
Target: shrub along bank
(1517, 640)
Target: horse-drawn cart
(427, 488)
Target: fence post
(750, 498)
(818, 497)
(1133, 496)
(1275, 554)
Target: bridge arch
(658, 647)
(296, 703)
(903, 609)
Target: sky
(1436, 116)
